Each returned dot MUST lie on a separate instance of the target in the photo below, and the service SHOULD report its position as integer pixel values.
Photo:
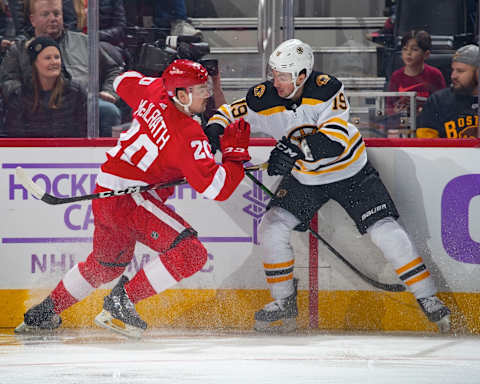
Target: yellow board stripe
(424, 275)
(279, 265)
(234, 308)
(410, 265)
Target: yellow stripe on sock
(424, 275)
(279, 265)
(410, 265)
(272, 280)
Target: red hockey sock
(62, 299)
(139, 287)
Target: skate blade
(105, 320)
(286, 326)
(24, 329)
(444, 324)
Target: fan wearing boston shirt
(453, 112)
(320, 156)
(163, 144)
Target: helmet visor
(202, 91)
(280, 77)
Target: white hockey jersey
(323, 107)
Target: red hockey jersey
(163, 144)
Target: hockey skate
(119, 314)
(39, 319)
(436, 311)
(284, 310)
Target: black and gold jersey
(448, 115)
(323, 108)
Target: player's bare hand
(107, 96)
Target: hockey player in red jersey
(164, 143)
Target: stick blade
(28, 183)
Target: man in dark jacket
(112, 21)
(47, 20)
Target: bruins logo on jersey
(297, 134)
(259, 90)
(321, 80)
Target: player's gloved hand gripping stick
(283, 157)
(235, 140)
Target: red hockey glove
(235, 140)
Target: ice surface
(179, 356)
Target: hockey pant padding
(277, 253)
(183, 260)
(399, 250)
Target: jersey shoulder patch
(321, 86)
(262, 96)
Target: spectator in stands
(4, 42)
(6, 31)
(46, 17)
(23, 25)
(173, 14)
(416, 75)
(112, 20)
(50, 105)
(453, 112)
(388, 26)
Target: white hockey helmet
(292, 56)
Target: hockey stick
(257, 167)
(369, 280)
(40, 193)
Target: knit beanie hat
(38, 44)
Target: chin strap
(296, 87)
(186, 107)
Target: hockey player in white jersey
(321, 156)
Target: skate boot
(39, 319)
(119, 314)
(436, 311)
(284, 310)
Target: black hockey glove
(213, 132)
(283, 157)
